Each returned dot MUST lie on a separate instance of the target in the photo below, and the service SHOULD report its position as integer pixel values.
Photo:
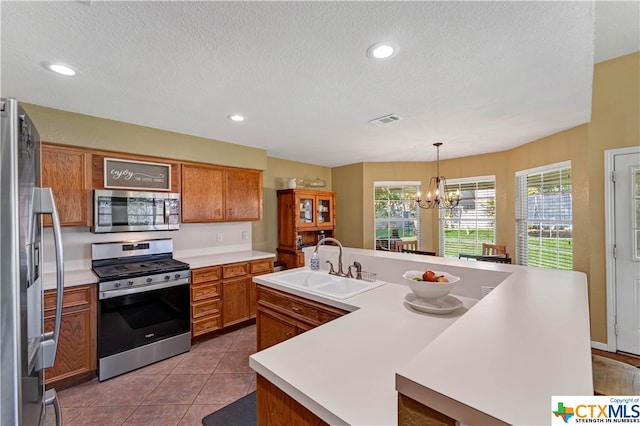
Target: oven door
(140, 316)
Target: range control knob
(130, 283)
(167, 277)
(176, 276)
(117, 284)
(149, 279)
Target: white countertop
(500, 361)
(86, 276)
(202, 261)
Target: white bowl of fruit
(430, 284)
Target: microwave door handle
(50, 342)
(167, 206)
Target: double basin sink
(322, 283)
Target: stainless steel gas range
(143, 304)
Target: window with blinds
(396, 215)
(544, 217)
(473, 222)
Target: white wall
(192, 239)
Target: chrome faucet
(340, 272)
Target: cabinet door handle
(296, 309)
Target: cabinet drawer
(235, 270)
(315, 313)
(205, 325)
(206, 274)
(261, 266)
(73, 296)
(205, 291)
(204, 308)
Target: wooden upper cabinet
(202, 193)
(243, 195)
(64, 170)
(216, 194)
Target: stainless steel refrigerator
(25, 349)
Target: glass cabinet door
(306, 211)
(325, 210)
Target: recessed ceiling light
(236, 117)
(60, 69)
(383, 50)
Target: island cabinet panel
(243, 192)
(274, 407)
(411, 412)
(304, 217)
(257, 267)
(206, 300)
(65, 171)
(202, 193)
(76, 356)
(282, 316)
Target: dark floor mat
(239, 413)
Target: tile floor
(177, 391)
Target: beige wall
(278, 172)
(69, 128)
(614, 124)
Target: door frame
(609, 228)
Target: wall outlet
(219, 236)
(245, 235)
(486, 290)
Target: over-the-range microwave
(125, 211)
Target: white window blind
(544, 217)
(473, 222)
(395, 213)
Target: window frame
(522, 219)
(411, 200)
(442, 215)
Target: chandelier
(434, 199)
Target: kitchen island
(496, 360)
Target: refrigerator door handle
(50, 342)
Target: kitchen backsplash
(193, 239)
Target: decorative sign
(129, 174)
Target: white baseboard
(601, 346)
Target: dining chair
(494, 250)
(428, 253)
(409, 245)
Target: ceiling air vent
(385, 119)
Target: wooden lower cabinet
(224, 295)
(205, 300)
(282, 315)
(77, 351)
(275, 408)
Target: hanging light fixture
(437, 183)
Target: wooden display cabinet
(304, 216)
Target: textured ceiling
(479, 76)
